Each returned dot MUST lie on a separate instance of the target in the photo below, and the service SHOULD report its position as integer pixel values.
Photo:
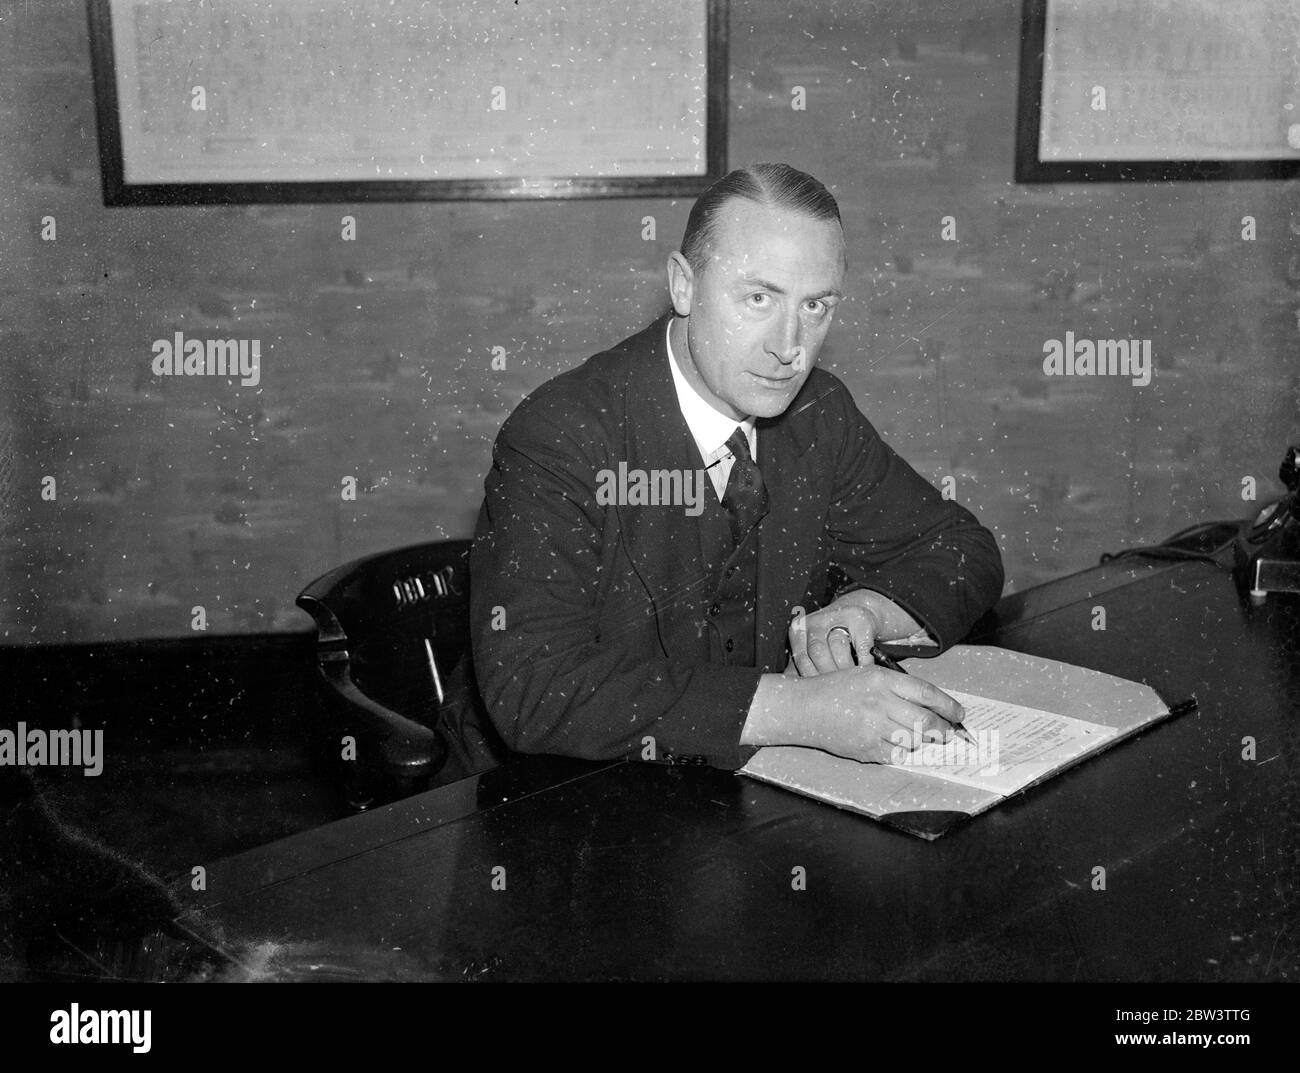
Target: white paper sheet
(1013, 745)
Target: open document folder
(1029, 719)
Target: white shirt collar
(710, 428)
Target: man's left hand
(825, 640)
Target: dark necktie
(746, 496)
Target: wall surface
(176, 493)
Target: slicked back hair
(776, 185)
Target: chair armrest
(407, 749)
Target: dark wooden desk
(631, 871)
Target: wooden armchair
(392, 646)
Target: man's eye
(816, 305)
(759, 300)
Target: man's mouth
(772, 381)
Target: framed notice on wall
(232, 101)
(1159, 89)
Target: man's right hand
(863, 713)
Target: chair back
(390, 629)
(402, 617)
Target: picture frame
(1170, 90)
(236, 101)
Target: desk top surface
(558, 869)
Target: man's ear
(681, 283)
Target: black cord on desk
(1165, 549)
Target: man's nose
(786, 342)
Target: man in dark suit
(685, 541)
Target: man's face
(759, 311)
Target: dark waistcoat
(729, 608)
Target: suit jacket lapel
(790, 533)
(664, 541)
